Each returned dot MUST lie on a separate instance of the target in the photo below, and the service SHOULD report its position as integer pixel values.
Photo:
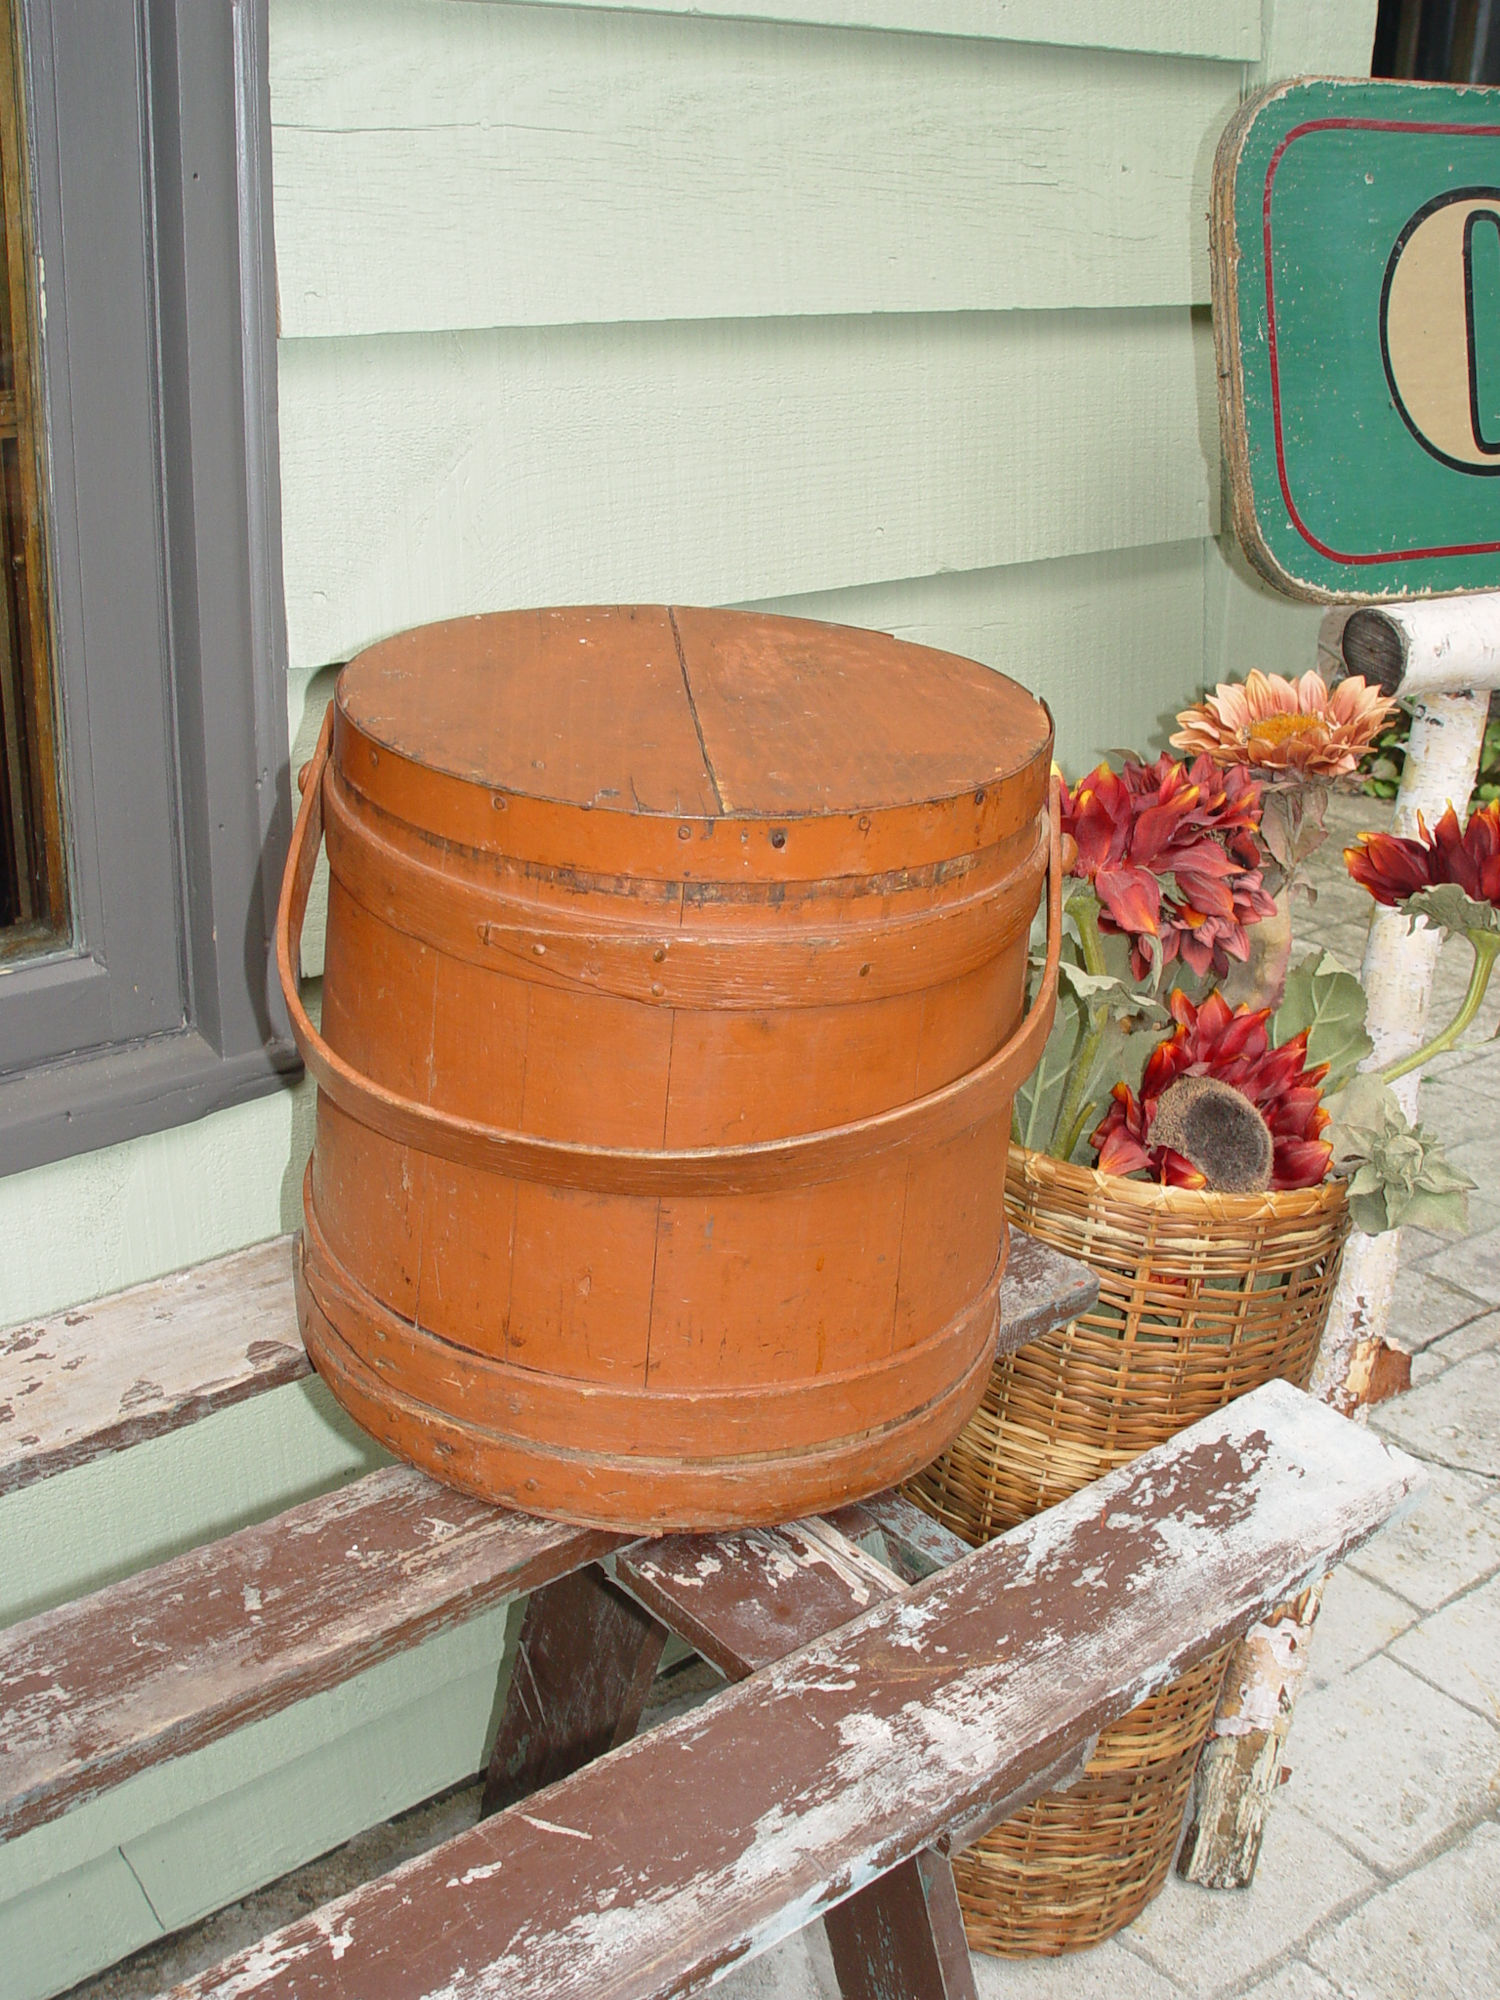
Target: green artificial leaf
(1120, 999)
(1397, 1173)
(1449, 910)
(1105, 1026)
(1327, 1000)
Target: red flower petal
(1131, 897)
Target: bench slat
(705, 1841)
(751, 1599)
(1041, 1289)
(180, 1655)
(99, 1377)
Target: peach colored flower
(1304, 727)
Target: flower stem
(1073, 1112)
(1486, 948)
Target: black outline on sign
(1415, 222)
(1492, 216)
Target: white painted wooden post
(1445, 654)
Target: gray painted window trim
(150, 144)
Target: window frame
(155, 264)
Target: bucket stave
(659, 1157)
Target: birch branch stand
(1443, 654)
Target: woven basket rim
(1150, 1197)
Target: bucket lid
(690, 744)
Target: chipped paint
(551, 1826)
(819, 1773)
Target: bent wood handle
(802, 1160)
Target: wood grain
(1227, 28)
(716, 463)
(1107, 640)
(791, 1791)
(584, 1665)
(103, 1376)
(499, 166)
(181, 1655)
(749, 1600)
(746, 1600)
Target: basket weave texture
(1201, 1298)
(1074, 1867)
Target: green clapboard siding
(72, 1924)
(1105, 640)
(99, 1522)
(585, 166)
(1228, 28)
(771, 306)
(720, 461)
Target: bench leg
(584, 1667)
(902, 1938)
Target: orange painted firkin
(672, 1012)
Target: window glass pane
(33, 889)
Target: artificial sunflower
(1170, 851)
(1393, 866)
(1302, 728)
(1220, 1107)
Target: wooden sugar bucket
(672, 1013)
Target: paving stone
(1108, 1972)
(1448, 1542)
(1459, 1107)
(1208, 1939)
(1454, 1419)
(1424, 1309)
(1389, 1764)
(1479, 1158)
(795, 1969)
(1359, 1618)
(1295, 1981)
(1435, 1934)
(1476, 1337)
(1421, 1247)
(1472, 1264)
(1458, 1648)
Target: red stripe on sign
(1297, 132)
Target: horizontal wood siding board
(170, 1660)
(100, 1377)
(487, 166)
(703, 1842)
(716, 462)
(1112, 642)
(1227, 28)
(424, 1681)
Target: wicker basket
(1201, 1298)
(1074, 1867)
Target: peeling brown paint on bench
(751, 1599)
(100, 1377)
(786, 1794)
(103, 1376)
(180, 1655)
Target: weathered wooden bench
(833, 1780)
(175, 1658)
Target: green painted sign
(1356, 240)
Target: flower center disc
(1277, 728)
